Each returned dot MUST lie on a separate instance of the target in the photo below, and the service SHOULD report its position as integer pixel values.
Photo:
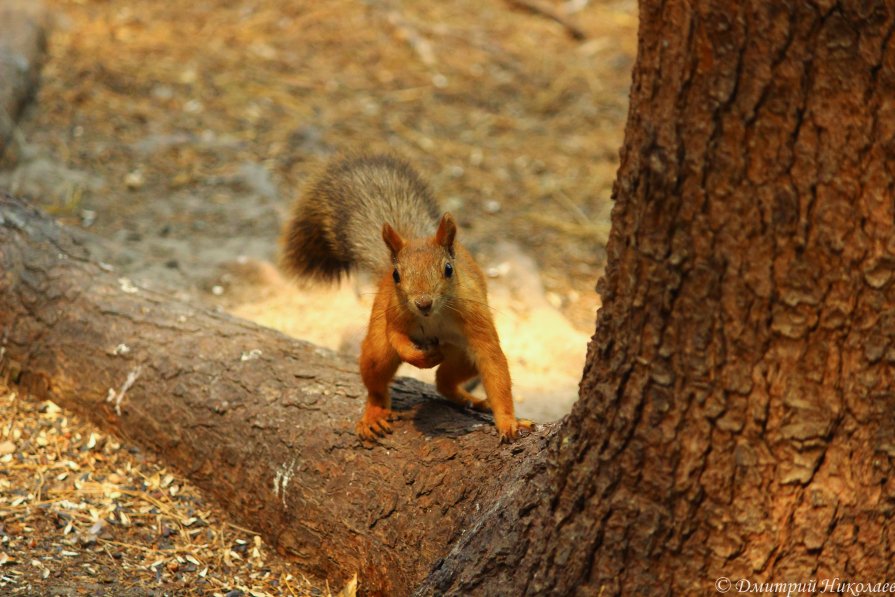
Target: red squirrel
(431, 308)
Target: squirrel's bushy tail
(336, 224)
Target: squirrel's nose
(424, 305)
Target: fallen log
(262, 422)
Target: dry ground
(86, 514)
(178, 133)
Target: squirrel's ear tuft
(393, 240)
(447, 230)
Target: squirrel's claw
(382, 427)
(510, 429)
(375, 423)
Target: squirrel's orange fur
(431, 308)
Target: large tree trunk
(736, 413)
(262, 422)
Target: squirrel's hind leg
(449, 378)
(378, 364)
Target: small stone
(134, 180)
(193, 106)
(162, 92)
(476, 156)
(189, 76)
(554, 299)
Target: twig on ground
(543, 9)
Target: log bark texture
(263, 422)
(736, 412)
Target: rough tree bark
(736, 410)
(262, 422)
(735, 417)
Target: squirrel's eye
(396, 276)
(448, 270)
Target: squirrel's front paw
(509, 428)
(375, 422)
(428, 358)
